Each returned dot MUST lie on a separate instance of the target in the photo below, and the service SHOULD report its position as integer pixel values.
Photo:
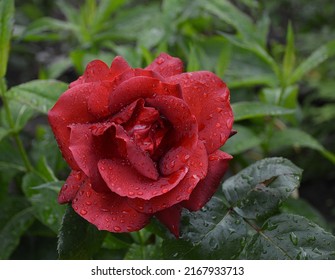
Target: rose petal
(127, 112)
(166, 65)
(138, 158)
(139, 87)
(71, 186)
(197, 170)
(171, 218)
(218, 164)
(71, 108)
(107, 211)
(185, 130)
(88, 148)
(208, 99)
(98, 102)
(119, 65)
(122, 179)
(95, 71)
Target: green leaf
(231, 15)
(297, 138)
(6, 27)
(3, 133)
(47, 29)
(255, 80)
(117, 241)
(315, 59)
(247, 110)
(43, 198)
(289, 56)
(258, 190)
(244, 140)
(256, 49)
(288, 236)
(12, 230)
(193, 60)
(301, 207)
(287, 98)
(104, 11)
(40, 95)
(10, 157)
(144, 252)
(78, 239)
(214, 232)
(223, 60)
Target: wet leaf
(288, 236)
(13, 226)
(315, 59)
(258, 190)
(244, 140)
(298, 138)
(214, 232)
(144, 252)
(247, 110)
(78, 239)
(39, 95)
(43, 198)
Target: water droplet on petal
(160, 61)
(117, 228)
(83, 212)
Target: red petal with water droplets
(185, 134)
(138, 158)
(98, 102)
(108, 211)
(166, 65)
(71, 186)
(198, 165)
(139, 87)
(171, 218)
(218, 164)
(208, 99)
(71, 107)
(88, 148)
(119, 65)
(95, 71)
(124, 180)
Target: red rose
(141, 142)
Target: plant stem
(15, 134)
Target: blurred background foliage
(277, 58)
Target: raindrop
(88, 203)
(160, 61)
(165, 190)
(83, 212)
(117, 228)
(294, 239)
(218, 125)
(213, 244)
(185, 157)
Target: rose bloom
(141, 142)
